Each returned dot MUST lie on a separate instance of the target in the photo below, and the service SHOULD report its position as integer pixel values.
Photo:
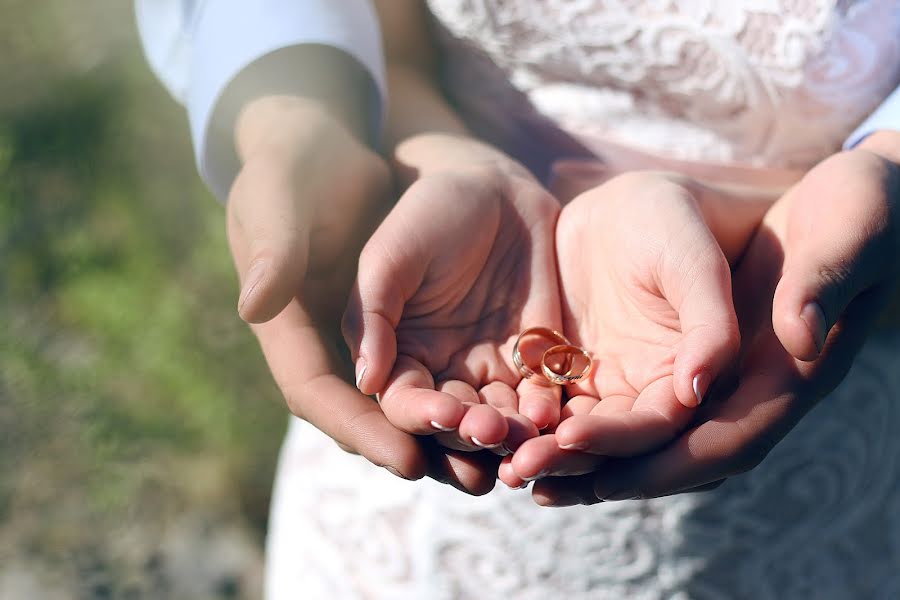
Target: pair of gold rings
(561, 362)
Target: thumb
(269, 236)
(838, 226)
(699, 288)
(384, 283)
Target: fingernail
(397, 473)
(440, 427)
(814, 317)
(541, 474)
(361, 367)
(574, 446)
(622, 495)
(701, 385)
(481, 444)
(254, 276)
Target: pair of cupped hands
(715, 317)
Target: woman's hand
(646, 289)
(457, 270)
(832, 240)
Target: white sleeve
(196, 47)
(886, 116)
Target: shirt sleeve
(886, 116)
(197, 47)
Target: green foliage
(122, 358)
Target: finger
(571, 491)
(386, 280)
(506, 401)
(476, 430)
(411, 403)
(315, 392)
(460, 390)
(539, 402)
(700, 290)
(834, 253)
(564, 491)
(483, 427)
(473, 473)
(273, 223)
(656, 418)
(507, 475)
(579, 405)
(542, 457)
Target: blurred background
(139, 427)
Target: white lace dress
(753, 82)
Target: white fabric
(886, 117)
(757, 82)
(197, 47)
(817, 519)
(778, 83)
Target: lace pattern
(814, 520)
(697, 80)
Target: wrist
(287, 124)
(429, 153)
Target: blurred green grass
(130, 392)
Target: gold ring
(567, 377)
(554, 336)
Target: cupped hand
(832, 240)
(646, 290)
(306, 199)
(462, 264)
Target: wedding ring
(570, 376)
(554, 337)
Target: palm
(615, 305)
(645, 289)
(463, 264)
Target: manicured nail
(440, 427)
(701, 385)
(361, 367)
(814, 317)
(481, 444)
(254, 277)
(574, 446)
(540, 475)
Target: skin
(462, 264)
(296, 223)
(832, 240)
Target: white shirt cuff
(197, 48)
(886, 116)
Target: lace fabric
(814, 520)
(734, 81)
(738, 81)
